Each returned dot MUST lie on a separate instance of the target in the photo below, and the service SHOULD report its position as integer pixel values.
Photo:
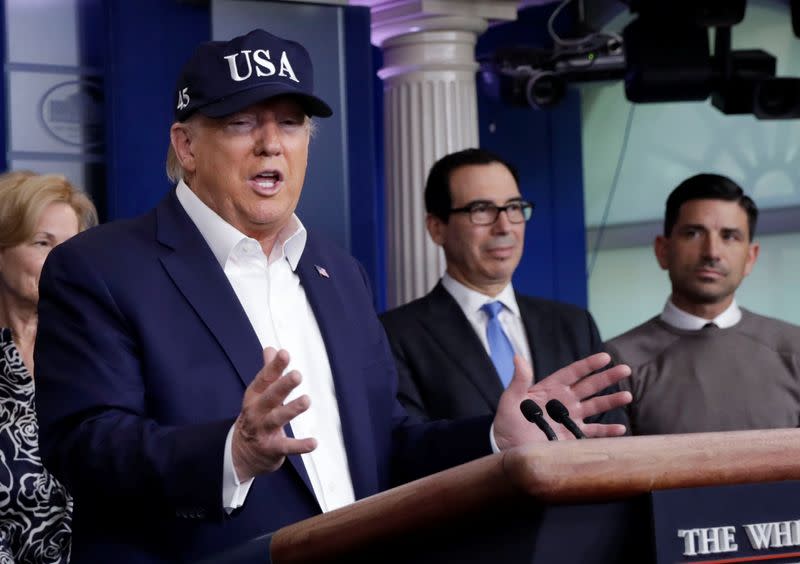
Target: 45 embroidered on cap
(223, 77)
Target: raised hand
(573, 385)
(259, 443)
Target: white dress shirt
(471, 301)
(676, 317)
(276, 305)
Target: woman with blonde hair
(37, 212)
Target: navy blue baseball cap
(223, 77)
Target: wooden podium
(571, 501)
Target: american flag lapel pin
(321, 271)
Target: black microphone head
(557, 410)
(530, 409)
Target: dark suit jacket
(444, 369)
(143, 353)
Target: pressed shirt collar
(223, 237)
(471, 300)
(672, 315)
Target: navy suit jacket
(142, 357)
(444, 369)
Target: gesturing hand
(573, 385)
(259, 442)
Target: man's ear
(181, 136)
(436, 229)
(752, 256)
(661, 249)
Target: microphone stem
(546, 429)
(573, 428)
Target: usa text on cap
(223, 77)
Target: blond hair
(24, 195)
(174, 168)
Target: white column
(430, 109)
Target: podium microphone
(559, 413)
(533, 413)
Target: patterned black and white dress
(35, 510)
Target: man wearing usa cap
(164, 402)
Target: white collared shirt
(676, 317)
(278, 309)
(470, 301)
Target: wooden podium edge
(427, 501)
(559, 472)
(607, 469)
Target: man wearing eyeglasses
(454, 347)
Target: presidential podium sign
(748, 523)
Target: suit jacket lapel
(340, 330)
(197, 274)
(448, 325)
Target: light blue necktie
(502, 352)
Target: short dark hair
(708, 187)
(438, 199)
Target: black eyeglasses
(486, 213)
